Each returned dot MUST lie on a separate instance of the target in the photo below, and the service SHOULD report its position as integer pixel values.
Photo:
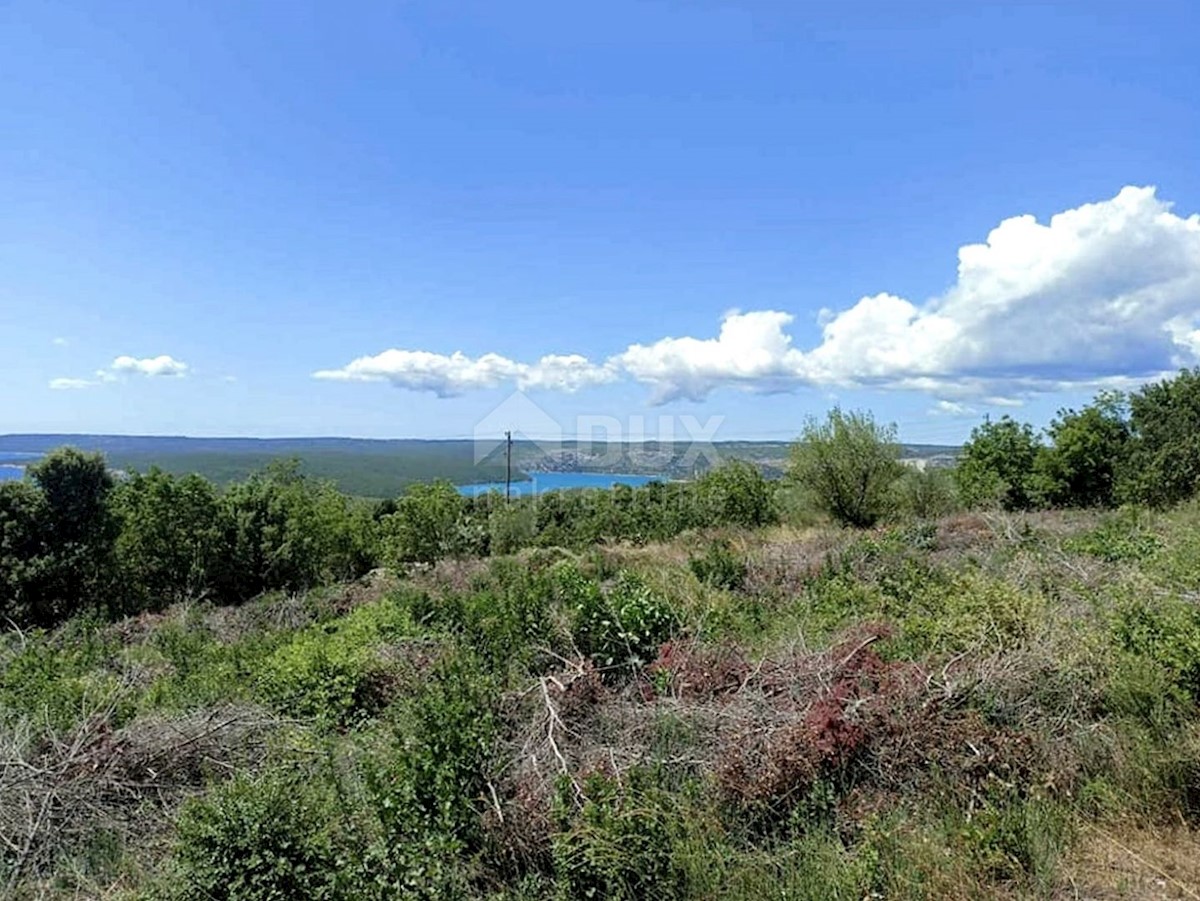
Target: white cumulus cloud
(1106, 289)
(448, 376)
(161, 365)
(1103, 295)
(66, 384)
(752, 350)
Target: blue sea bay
(541, 482)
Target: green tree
(1163, 463)
(847, 464)
(735, 493)
(20, 549)
(1079, 467)
(926, 493)
(77, 533)
(171, 538)
(287, 531)
(430, 522)
(997, 465)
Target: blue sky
(288, 218)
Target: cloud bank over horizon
(1105, 294)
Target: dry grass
(61, 791)
(1133, 863)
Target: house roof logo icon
(518, 414)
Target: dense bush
(847, 464)
(171, 543)
(286, 531)
(57, 538)
(1086, 450)
(1163, 462)
(996, 467)
(925, 493)
(253, 839)
(617, 844)
(719, 566)
(620, 629)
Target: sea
(541, 482)
(12, 465)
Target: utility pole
(507, 465)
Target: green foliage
(1123, 536)
(1079, 467)
(1013, 838)
(621, 629)
(617, 844)
(1166, 632)
(719, 567)
(735, 493)
(20, 551)
(996, 467)
(925, 493)
(848, 464)
(286, 531)
(171, 539)
(73, 568)
(261, 839)
(429, 523)
(426, 791)
(333, 673)
(511, 527)
(1163, 463)
(58, 678)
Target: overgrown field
(983, 705)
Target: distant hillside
(369, 468)
(383, 468)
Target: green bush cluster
(73, 539)
(719, 567)
(256, 840)
(1143, 448)
(621, 628)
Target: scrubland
(990, 705)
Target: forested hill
(384, 467)
(368, 468)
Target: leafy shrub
(996, 467)
(511, 527)
(925, 493)
(1013, 838)
(255, 840)
(1166, 632)
(621, 630)
(430, 522)
(848, 464)
(171, 538)
(734, 493)
(1162, 466)
(52, 677)
(1121, 536)
(332, 672)
(617, 844)
(968, 610)
(719, 567)
(1087, 447)
(426, 790)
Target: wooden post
(507, 466)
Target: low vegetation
(702, 690)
